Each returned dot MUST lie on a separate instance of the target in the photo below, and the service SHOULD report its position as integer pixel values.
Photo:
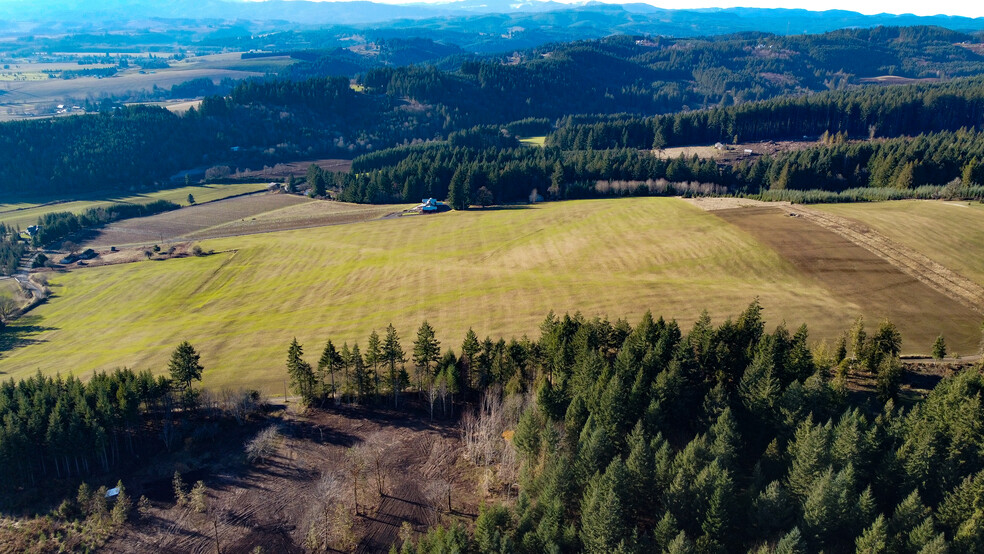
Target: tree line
(56, 226)
(485, 174)
(66, 428)
(11, 249)
(904, 110)
(723, 438)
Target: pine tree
(426, 349)
(360, 374)
(874, 540)
(185, 367)
(373, 357)
(470, 348)
(300, 373)
(939, 348)
(791, 543)
(458, 197)
(329, 363)
(604, 521)
(393, 355)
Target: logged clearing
(273, 504)
(498, 271)
(949, 233)
(24, 214)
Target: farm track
(909, 261)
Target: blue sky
(967, 8)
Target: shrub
(263, 445)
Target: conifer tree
(393, 354)
(426, 350)
(329, 363)
(470, 348)
(939, 348)
(185, 367)
(300, 373)
(874, 540)
(373, 357)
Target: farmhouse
(431, 206)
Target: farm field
(29, 92)
(25, 213)
(534, 141)
(193, 220)
(950, 233)
(499, 271)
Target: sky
(967, 8)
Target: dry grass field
(498, 271)
(857, 275)
(950, 233)
(171, 226)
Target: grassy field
(950, 233)
(9, 287)
(534, 141)
(25, 213)
(499, 271)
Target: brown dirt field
(859, 276)
(298, 216)
(280, 172)
(908, 260)
(713, 203)
(274, 503)
(170, 226)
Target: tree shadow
(22, 333)
(504, 207)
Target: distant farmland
(499, 271)
(26, 213)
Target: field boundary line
(910, 262)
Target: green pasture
(498, 271)
(534, 141)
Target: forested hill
(265, 121)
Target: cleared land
(24, 213)
(273, 504)
(534, 141)
(949, 233)
(298, 169)
(499, 271)
(856, 274)
(171, 226)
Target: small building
(432, 206)
(33, 229)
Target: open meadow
(27, 213)
(498, 270)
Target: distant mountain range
(497, 16)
